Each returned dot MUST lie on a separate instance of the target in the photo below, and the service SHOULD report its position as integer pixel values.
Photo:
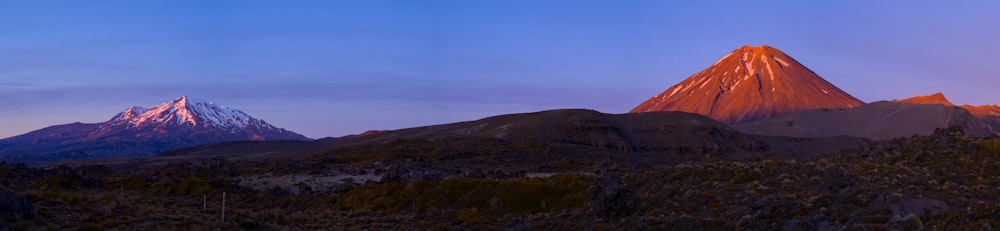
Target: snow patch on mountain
(129, 113)
(783, 62)
(769, 71)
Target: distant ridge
(881, 120)
(676, 136)
(988, 114)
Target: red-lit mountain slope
(750, 83)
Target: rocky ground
(946, 181)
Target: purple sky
(331, 68)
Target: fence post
(223, 207)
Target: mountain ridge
(691, 136)
(882, 120)
(981, 111)
(936, 98)
(988, 114)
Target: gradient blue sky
(331, 68)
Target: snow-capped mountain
(747, 84)
(187, 111)
(137, 131)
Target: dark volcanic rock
(14, 206)
(613, 199)
(921, 207)
(813, 223)
(476, 174)
(834, 180)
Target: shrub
(524, 196)
(193, 185)
(62, 181)
(485, 196)
(465, 193)
(371, 198)
(546, 194)
(69, 197)
(470, 215)
(989, 148)
(131, 183)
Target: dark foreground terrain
(945, 181)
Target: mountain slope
(878, 121)
(138, 131)
(987, 114)
(677, 136)
(750, 83)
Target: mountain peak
(187, 111)
(936, 98)
(129, 113)
(755, 48)
(749, 83)
(185, 101)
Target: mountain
(748, 84)
(138, 131)
(988, 114)
(881, 120)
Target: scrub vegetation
(944, 181)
